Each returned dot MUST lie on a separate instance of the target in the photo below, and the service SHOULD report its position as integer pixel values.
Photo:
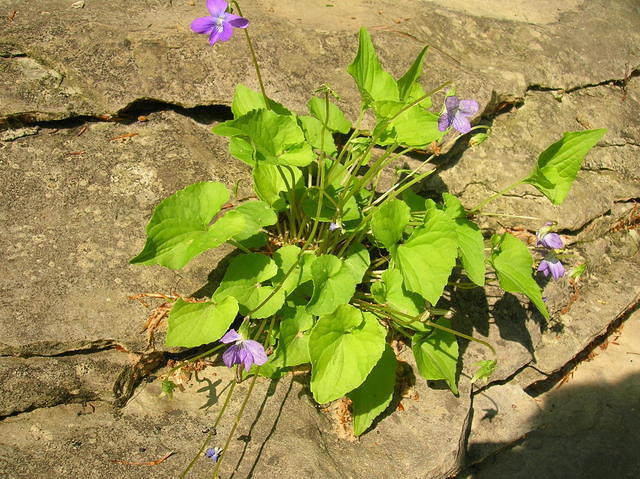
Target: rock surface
(106, 109)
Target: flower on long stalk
(456, 114)
(244, 351)
(220, 24)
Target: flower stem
(254, 59)
(480, 205)
(235, 425)
(212, 432)
(397, 314)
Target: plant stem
(479, 206)
(233, 242)
(373, 307)
(254, 59)
(235, 425)
(212, 432)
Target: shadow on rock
(510, 318)
(246, 438)
(581, 432)
(215, 276)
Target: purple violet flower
(456, 114)
(550, 241)
(547, 239)
(334, 226)
(551, 265)
(219, 26)
(244, 351)
(213, 453)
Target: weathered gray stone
(34, 383)
(502, 321)
(75, 211)
(501, 415)
(286, 435)
(75, 203)
(517, 138)
(146, 50)
(586, 426)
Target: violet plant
(332, 269)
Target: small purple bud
(334, 226)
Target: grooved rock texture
(107, 109)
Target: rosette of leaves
(338, 268)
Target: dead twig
(123, 137)
(150, 463)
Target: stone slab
(282, 433)
(109, 55)
(76, 202)
(587, 425)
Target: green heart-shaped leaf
(257, 214)
(559, 164)
(374, 83)
(344, 347)
(373, 396)
(391, 292)
(427, 258)
(270, 182)
(333, 284)
(194, 324)
(436, 355)
(276, 139)
(470, 240)
(243, 279)
(336, 121)
(512, 262)
(357, 258)
(389, 221)
(293, 343)
(286, 257)
(180, 229)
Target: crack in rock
(205, 114)
(83, 397)
(56, 349)
(543, 385)
(619, 82)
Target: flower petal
(461, 123)
(225, 34)
(443, 122)
(237, 21)
(468, 107)
(215, 35)
(216, 7)
(256, 350)
(544, 267)
(246, 359)
(230, 356)
(552, 241)
(557, 269)
(451, 102)
(230, 336)
(203, 25)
